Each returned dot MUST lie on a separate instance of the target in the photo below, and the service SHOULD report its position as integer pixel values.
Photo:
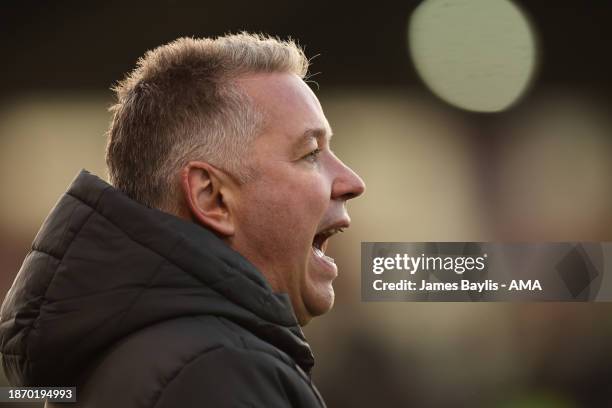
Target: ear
(206, 194)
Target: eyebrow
(309, 134)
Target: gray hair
(182, 103)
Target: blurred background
(469, 120)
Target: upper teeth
(331, 232)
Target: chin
(320, 302)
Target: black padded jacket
(138, 308)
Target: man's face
(285, 215)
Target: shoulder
(234, 377)
(188, 361)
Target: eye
(313, 156)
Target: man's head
(227, 134)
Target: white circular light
(479, 55)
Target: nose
(347, 184)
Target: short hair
(182, 103)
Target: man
(185, 282)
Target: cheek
(283, 214)
(307, 203)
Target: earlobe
(204, 195)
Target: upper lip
(340, 224)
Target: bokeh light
(479, 55)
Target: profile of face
(282, 219)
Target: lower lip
(326, 262)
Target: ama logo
(519, 284)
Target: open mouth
(320, 241)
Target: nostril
(348, 196)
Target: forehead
(288, 104)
